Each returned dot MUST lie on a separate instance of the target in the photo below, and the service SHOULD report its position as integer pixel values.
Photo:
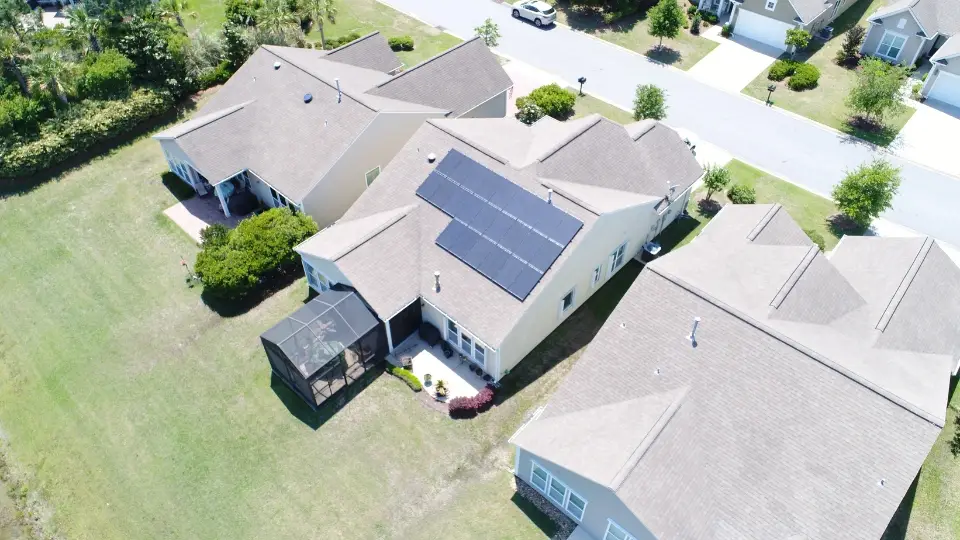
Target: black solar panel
(499, 229)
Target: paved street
(793, 148)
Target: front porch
(722, 8)
(425, 360)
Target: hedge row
(468, 407)
(406, 376)
(88, 124)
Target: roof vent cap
(307, 98)
(693, 331)
(436, 277)
(882, 482)
(276, 65)
(550, 196)
(431, 157)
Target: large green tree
(12, 51)
(665, 20)
(649, 102)
(12, 15)
(319, 12)
(867, 191)
(877, 91)
(277, 22)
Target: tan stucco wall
(784, 12)
(602, 503)
(495, 107)
(340, 187)
(876, 30)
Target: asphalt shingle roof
(777, 435)
(370, 51)
(935, 16)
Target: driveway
(807, 153)
(735, 63)
(930, 137)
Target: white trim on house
(552, 484)
(890, 45)
(899, 11)
(316, 279)
(767, 5)
(618, 536)
(916, 55)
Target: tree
(649, 102)
(665, 20)
(12, 49)
(877, 91)
(11, 16)
(867, 191)
(849, 52)
(83, 27)
(107, 76)
(242, 12)
(173, 8)
(147, 43)
(277, 22)
(320, 11)
(489, 32)
(50, 68)
(715, 179)
(237, 45)
(798, 38)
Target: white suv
(541, 13)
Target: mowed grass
(632, 32)
(587, 105)
(827, 102)
(360, 16)
(808, 209)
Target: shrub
(691, 9)
(468, 407)
(242, 12)
(649, 102)
(406, 376)
(107, 75)
(849, 53)
(334, 43)
(915, 91)
(695, 24)
(22, 117)
(709, 16)
(260, 247)
(528, 112)
(215, 76)
(806, 76)
(742, 194)
(781, 69)
(715, 179)
(401, 43)
(610, 17)
(554, 101)
(816, 238)
(726, 30)
(90, 123)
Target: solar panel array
(499, 229)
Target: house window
(314, 278)
(891, 45)
(616, 532)
(452, 332)
(539, 477)
(902, 23)
(557, 491)
(616, 259)
(771, 5)
(372, 175)
(466, 343)
(480, 354)
(576, 505)
(566, 303)
(597, 274)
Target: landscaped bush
(806, 76)
(781, 69)
(333, 43)
(468, 407)
(691, 9)
(695, 23)
(816, 238)
(527, 111)
(242, 12)
(259, 248)
(610, 17)
(21, 116)
(401, 43)
(213, 77)
(87, 124)
(406, 376)
(107, 75)
(726, 30)
(553, 100)
(742, 194)
(709, 16)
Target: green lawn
(826, 103)
(361, 16)
(808, 209)
(587, 105)
(632, 33)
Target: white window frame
(457, 340)
(596, 276)
(375, 171)
(315, 278)
(565, 310)
(545, 490)
(452, 327)
(611, 524)
(771, 5)
(894, 36)
(619, 253)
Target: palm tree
(276, 20)
(83, 26)
(50, 68)
(11, 16)
(174, 8)
(320, 11)
(11, 50)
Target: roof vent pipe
(431, 157)
(550, 196)
(693, 332)
(436, 278)
(276, 65)
(339, 93)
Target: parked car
(541, 13)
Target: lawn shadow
(590, 20)
(535, 515)
(859, 132)
(850, 18)
(234, 307)
(177, 187)
(664, 55)
(677, 232)
(897, 528)
(317, 418)
(840, 225)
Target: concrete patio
(459, 380)
(195, 214)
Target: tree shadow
(177, 187)
(537, 517)
(589, 19)
(664, 55)
(840, 225)
(897, 528)
(270, 285)
(871, 132)
(850, 18)
(314, 419)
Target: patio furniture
(447, 349)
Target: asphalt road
(796, 149)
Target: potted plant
(426, 379)
(441, 389)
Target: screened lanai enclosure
(325, 346)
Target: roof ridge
(817, 357)
(764, 221)
(214, 116)
(795, 276)
(485, 151)
(303, 69)
(905, 283)
(427, 61)
(349, 43)
(651, 437)
(573, 136)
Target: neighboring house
(907, 31)
(767, 21)
(312, 129)
(495, 232)
(750, 386)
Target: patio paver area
(460, 381)
(195, 214)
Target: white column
(389, 337)
(931, 77)
(919, 48)
(223, 202)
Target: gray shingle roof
(950, 49)
(808, 10)
(370, 51)
(779, 435)
(457, 80)
(935, 16)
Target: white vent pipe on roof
(550, 196)
(693, 331)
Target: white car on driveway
(540, 13)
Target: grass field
(361, 16)
(587, 105)
(826, 103)
(632, 33)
